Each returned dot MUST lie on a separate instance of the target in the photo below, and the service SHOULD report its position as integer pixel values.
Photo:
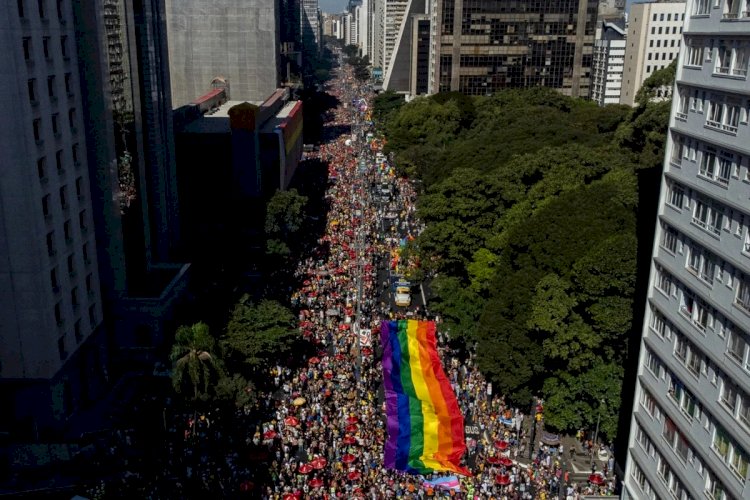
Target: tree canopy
(195, 365)
(258, 333)
(285, 216)
(530, 209)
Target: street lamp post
(596, 432)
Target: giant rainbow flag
(425, 426)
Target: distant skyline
(338, 6)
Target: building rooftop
(215, 121)
(282, 115)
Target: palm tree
(195, 368)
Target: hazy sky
(332, 6)
(336, 6)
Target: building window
(646, 400)
(58, 314)
(51, 251)
(79, 188)
(664, 281)
(716, 168)
(55, 124)
(27, 48)
(45, 47)
(64, 197)
(82, 221)
(728, 396)
(46, 205)
(743, 295)
(708, 217)
(40, 5)
(714, 488)
(730, 453)
(669, 239)
(60, 13)
(68, 232)
(676, 196)
(76, 154)
(41, 168)
(736, 346)
(51, 86)
(744, 411)
(64, 47)
(683, 398)
(740, 60)
(683, 105)
(89, 285)
(19, 5)
(694, 56)
(701, 264)
(732, 9)
(53, 280)
(72, 119)
(69, 84)
(71, 266)
(696, 311)
(31, 86)
(85, 254)
(37, 125)
(702, 7)
(715, 114)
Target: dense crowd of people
(327, 432)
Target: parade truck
(402, 294)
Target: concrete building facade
(690, 428)
(89, 238)
(238, 40)
(50, 299)
(394, 13)
(654, 38)
(609, 59)
(481, 47)
(310, 30)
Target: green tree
(258, 333)
(285, 212)
(384, 105)
(195, 365)
(285, 217)
(236, 390)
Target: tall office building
(378, 28)
(408, 71)
(237, 40)
(654, 38)
(609, 58)
(481, 47)
(89, 210)
(394, 13)
(310, 28)
(50, 301)
(690, 428)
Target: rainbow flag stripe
(425, 425)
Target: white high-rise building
(378, 28)
(654, 36)
(394, 13)
(609, 58)
(364, 28)
(690, 428)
